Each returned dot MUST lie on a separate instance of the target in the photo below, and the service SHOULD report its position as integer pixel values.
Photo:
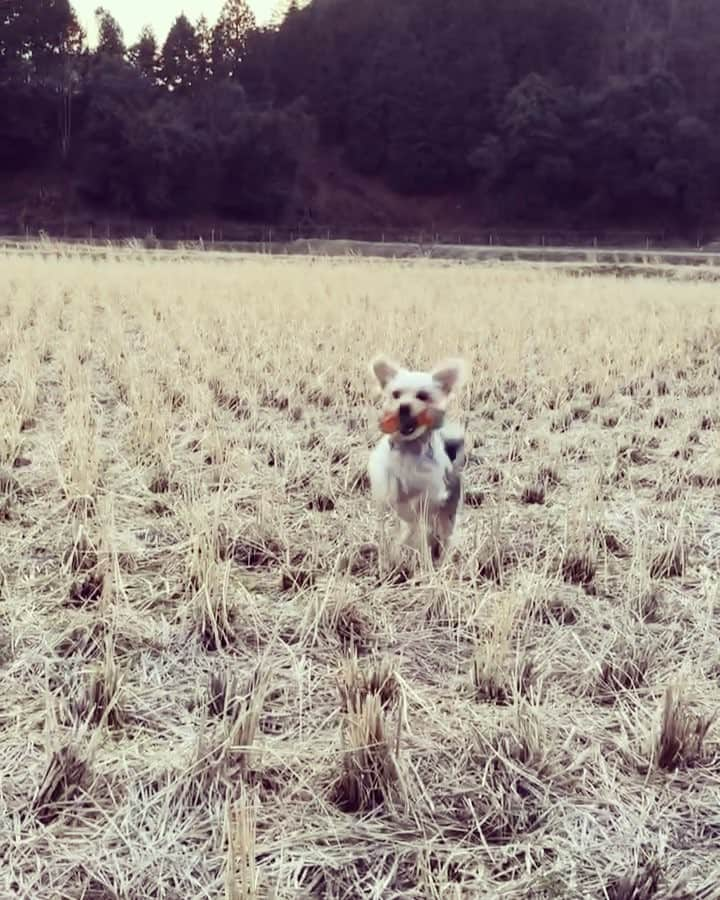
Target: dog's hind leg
(453, 438)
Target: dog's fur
(416, 471)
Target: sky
(160, 14)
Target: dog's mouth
(408, 427)
(405, 425)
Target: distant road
(580, 260)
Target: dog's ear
(449, 375)
(384, 369)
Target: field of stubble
(209, 688)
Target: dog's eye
(396, 395)
(423, 396)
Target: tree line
(559, 113)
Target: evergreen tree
(111, 42)
(144, 55)
(230, 35)
(204, 35)
(181, 57)
(35, 34)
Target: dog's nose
(404, 410)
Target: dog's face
(415, 401)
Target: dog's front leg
(441, 536)
(423, 532)
(384, 544)
(410, 536)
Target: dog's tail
(453, 438)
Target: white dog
(416, 467)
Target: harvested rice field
(211, 685)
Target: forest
(560, 113)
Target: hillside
(415, 115)
(337, 194)
(330, 196)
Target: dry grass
(211, 686)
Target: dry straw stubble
(194, 430)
